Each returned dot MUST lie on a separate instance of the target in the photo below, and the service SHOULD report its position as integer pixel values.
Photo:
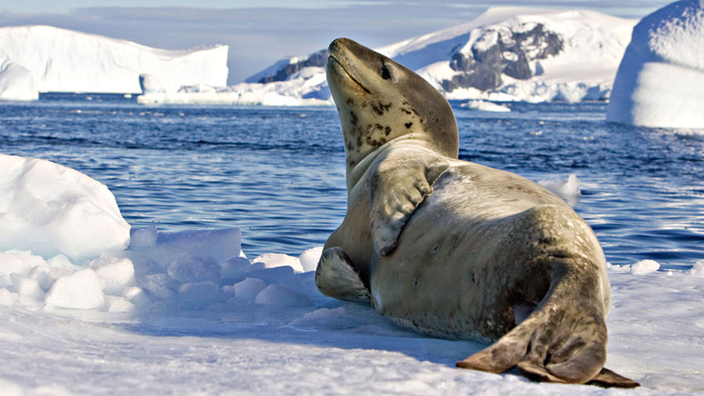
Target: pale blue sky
(260, 35)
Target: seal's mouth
(334, 62)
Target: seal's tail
(563, 340)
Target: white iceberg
(660, 82)
(61, 60)
(16, 82)
(50, 209)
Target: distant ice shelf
(660, 82)
(60, 60)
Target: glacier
(187, 312)
(505, 54)
(61, 60)
(660, 82)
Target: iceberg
(16, 82)
(61, 60)
(505, 54)
(660, 82)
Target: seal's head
(379, 100)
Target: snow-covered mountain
(61, 60)
(505, 54)
(521, 54)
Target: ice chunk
(119, 305)
(40, 273)
(137, 296)
(81, 290)
(115, 273)
(248, 289)
(481, 105)
(18, 261)
(6, 299)
(143, 238)
(281, 275)
(309, 258)
(27, 287)
(50, 209)
(54, 274)
(59, 261)
(661, 76)
(196, 294)
(220, 244)
(5, 280)
(273, 260)
(228, 291)
(645, 267)
(160, 286)
(281, 296)
(143, 265)
(16, 82)
(565, 189)
(195, 269)
(698, 269)
(234, 267)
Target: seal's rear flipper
(337, 277)
(563, 340)
(535, 360)
(608, 379)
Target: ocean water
(278, 173)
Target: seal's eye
(385, 73)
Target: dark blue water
(278, 173)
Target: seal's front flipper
(399, 184)
(337, 277)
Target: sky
(273, 29)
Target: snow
(60, 60)
(661, 77)
(16, 82)
(50, 209)
(162, 317)
(481, 105)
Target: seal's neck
(356, 172)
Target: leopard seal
(455, 249)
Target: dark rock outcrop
(502, 51)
